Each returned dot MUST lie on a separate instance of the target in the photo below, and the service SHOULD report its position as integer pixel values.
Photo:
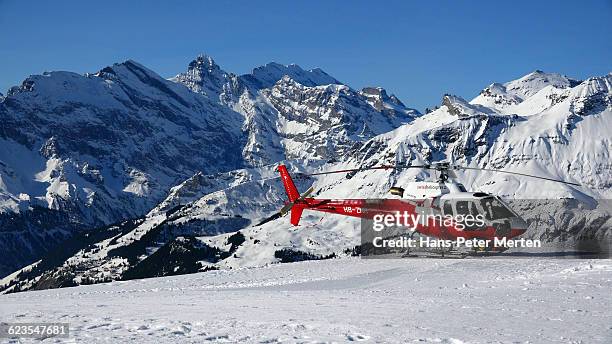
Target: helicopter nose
(516, 231)
(519, 226)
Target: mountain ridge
(558, 132)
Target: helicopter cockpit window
(462, 208)
(448, 209)
(474, 209)
(494, 209)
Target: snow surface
(486, 300)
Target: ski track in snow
(341, 300)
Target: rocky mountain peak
(267, 75)
(287, 80)
(592, 96)
(395, 100)
(122, 67)
(390, 105)
(533, 82)
(379, 96)
(505, 96)
(204, 76)
(204, 63)
(458, 106)
(375, 91)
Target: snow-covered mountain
(83, 151)
(95, 139)
(544, 124)
(296, 114)
(506, 97)
(98, 148)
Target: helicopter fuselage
(442, 210)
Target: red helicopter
(433, 201)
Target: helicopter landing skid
(425, 254)
(448, 253)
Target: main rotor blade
(382, 167)
(436, 167)
(273, 217)
(517, 173)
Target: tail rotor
(296, 204)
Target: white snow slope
(340, 300)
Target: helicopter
(446, 197)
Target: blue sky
(418, 50)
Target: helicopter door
(463, 208)
(468, 208)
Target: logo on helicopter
(432, 187)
